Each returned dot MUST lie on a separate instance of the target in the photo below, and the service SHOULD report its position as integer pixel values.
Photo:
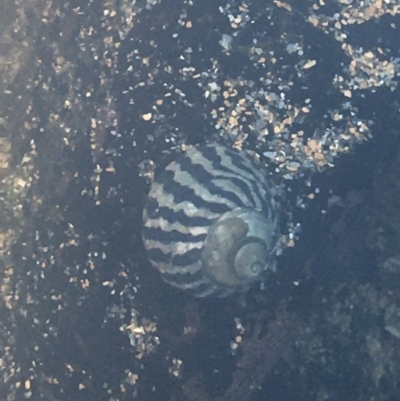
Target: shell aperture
(211, 221)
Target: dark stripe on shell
(186, 194)
(155, 211)
(185, 259)
(247, 169)
(166, 237)
(201, 175)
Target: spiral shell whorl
(209, 213)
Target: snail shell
(211, 222)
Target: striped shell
(211, 222)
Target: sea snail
(211, 222)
